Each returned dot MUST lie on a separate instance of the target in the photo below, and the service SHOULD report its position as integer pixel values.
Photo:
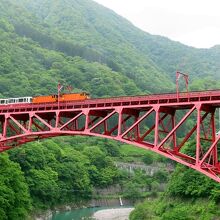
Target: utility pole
(59, 87)
(186, 78)
(219, 119)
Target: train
(68, 97)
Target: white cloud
(192, 22)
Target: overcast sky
(193, 22)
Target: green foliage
(15, 201)
(111, 148)
(148, 159)
(161, 176)
(215, 193)
(188, 209)
(144, 211)
(74, 181)
(113, 60)
(57, 175)
(169, 209)
(182, 199)
(20, 57)
(132, 191)
(43, 186)
(186, 182)
(179, 213)
(102, 169)
(6, 26)
(138, 184)
(87, 45)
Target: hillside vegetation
(189, 196)
(44, 38)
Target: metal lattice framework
(152, 122)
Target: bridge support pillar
(198, 108)
(156, 134)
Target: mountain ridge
(97, 34)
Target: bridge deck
(148, 121)
(180, 101)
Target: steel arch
(150, 122)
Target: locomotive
(47, 99)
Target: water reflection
(78, 214)
(81, 214)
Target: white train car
(16, 100)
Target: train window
(3, 101)
(11, 101)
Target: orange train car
(74, 97)
(63, 98)
(44, 99)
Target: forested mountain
(49, 35)
(88, 46)
(84, 28)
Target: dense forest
(80, 43)
(52, 173)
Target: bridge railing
(141, 99)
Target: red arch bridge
(164, 123)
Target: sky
(192, 22)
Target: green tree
(43, 186)
(73, 175)
(103, 171)
(132, 191)
(189, 183)
(161, 176)
(144, 211)
(15, 201)
(148, 158)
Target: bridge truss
(165, 124)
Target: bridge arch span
(156, 123)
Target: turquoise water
(78, 214)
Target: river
(79, 214)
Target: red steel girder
(150, 122)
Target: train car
(74, 97)
(16, 100)
(63, 98)
(45, 99)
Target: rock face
(45, 216)
(113, 214)
(109, 202)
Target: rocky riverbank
(113, 214)
(104, 202)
